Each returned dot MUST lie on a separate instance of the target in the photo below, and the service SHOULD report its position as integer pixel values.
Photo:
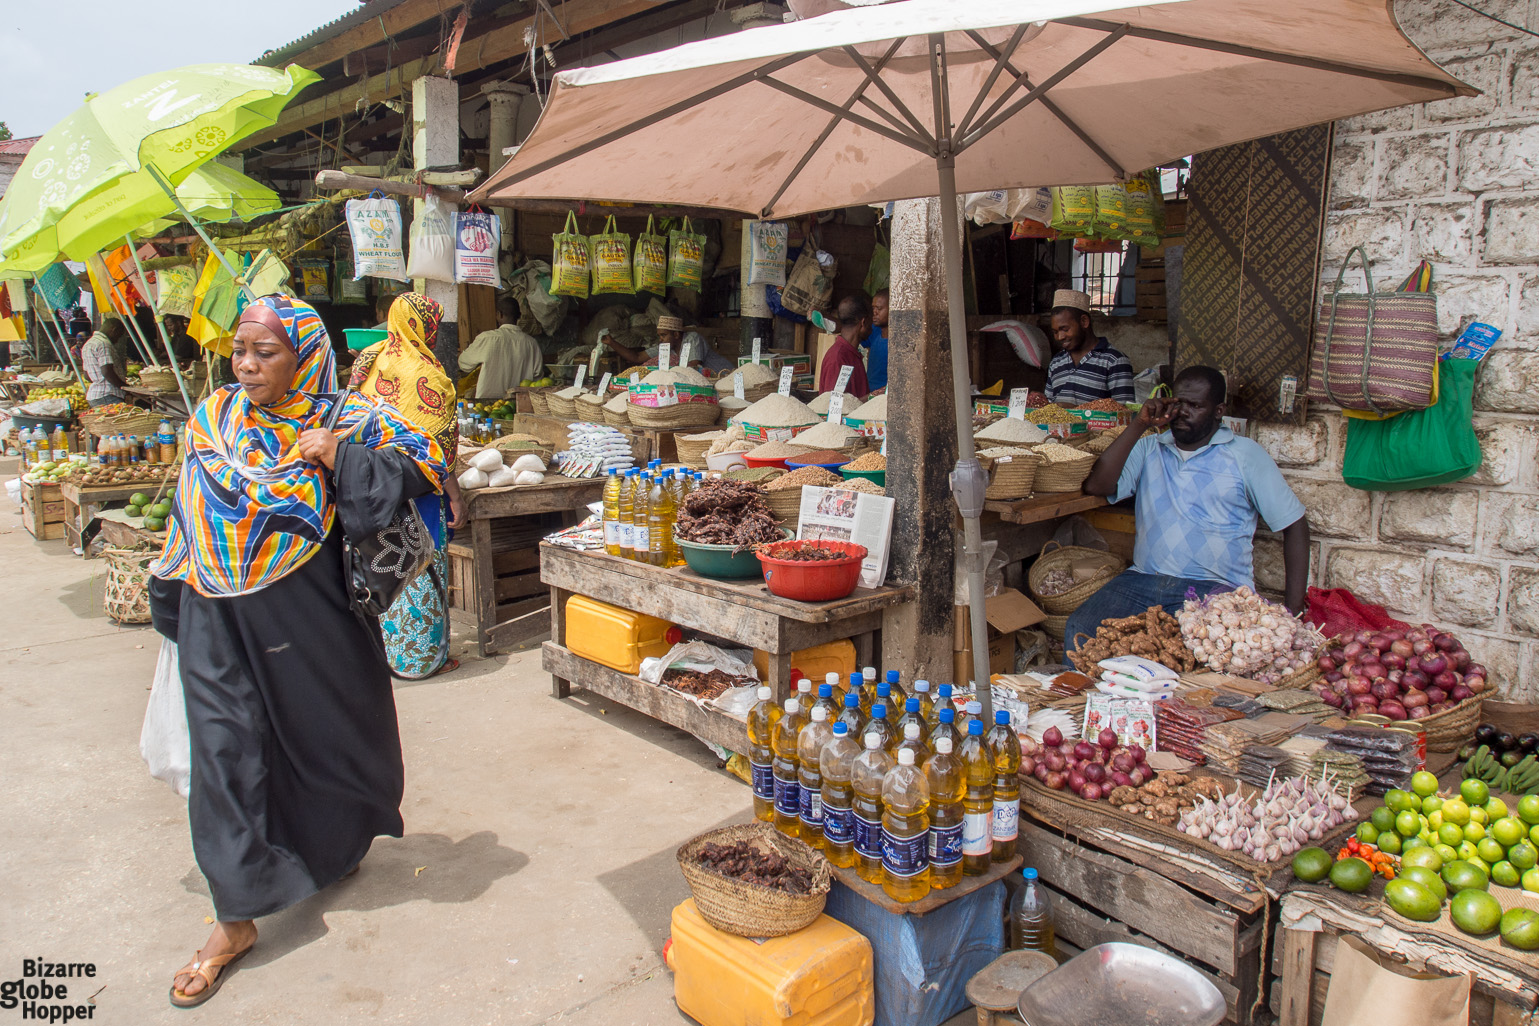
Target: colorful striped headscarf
(249, 508)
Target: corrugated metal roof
(370, 9)
(20, 146)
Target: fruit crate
(1505, 981)
(42, 511)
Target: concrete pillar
(756, 319)
(435, 116)
(921, 446)
(505, 99)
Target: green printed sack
(1074, 209)
(611, 261)
(572, 261)
(1111, 211)
(1145, 210)
(686, 258)
(649, 261)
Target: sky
(54, 53)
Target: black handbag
(378, 567)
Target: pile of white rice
(752, 374)
(829, 436)
(1010, 429)
(874, 409)
(776, 410)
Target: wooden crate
(42, 511)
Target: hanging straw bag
(1379, 348)
(612, 261)
(573, 261)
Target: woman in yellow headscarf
(403, 372)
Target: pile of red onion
(1089, 770)
(1404, 675)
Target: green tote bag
(1418, 448)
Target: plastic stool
(995, 990)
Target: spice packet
(1475, 341)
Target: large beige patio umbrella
(929, 97)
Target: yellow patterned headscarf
(403, 371)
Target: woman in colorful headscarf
(403, 372)
(296, 756)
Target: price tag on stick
(593, 358)
(786, 374)
(836, 407)
(604, 383)
(737, 384)
(1018, 403)
(582, 373)
(757, 348)
(686, 353)
(664, 354)
(844, 379)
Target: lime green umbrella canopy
(91, 179)
(218, 192)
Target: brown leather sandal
(213, 970)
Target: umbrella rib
(1001, 61)
(911, 141)
(651, 119)
(873, 75)
(828, 130)
(1023, 81)
(1240, 50)
(1031, 97)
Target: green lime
(1399, 801)
(1390, 843)
(1424, 783)
(1496, 809)
(1450, 834)
(1431, 804)
(1531, 881)
(1445, 853)
(1456, 811)
(1418, 841)
(1382, 819)
(1489, 850)
(1508, 830)
(1407, 824)
(1367, 834)
(1475, 791)
(1523, 855)
(1505, 873)
(1474, 832)
(1528, 808)
(1422, 858)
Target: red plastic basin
(819, 580)
(779, 464)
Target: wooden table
(494, 580)
(1043, 506)
(170, 401)
(81, 504)
(743, 612)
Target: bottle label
(946, 845)
(627, 536)
(788, 798)
(611, 532)
(976, 836)
(763, 775)
(838, 825)
(641, 539)
(811, 806)
(1007, 820)
(906, 856)
(868, 836)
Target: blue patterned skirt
(416, 627)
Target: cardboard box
(1006, 613)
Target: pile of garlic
(1240, 633)
(1287, 816)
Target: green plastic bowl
(363, 338)
(721, 561)
(876, 477)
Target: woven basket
(1059, 556)
(753, 910)
(614, 419)
(593, 413)
(1067, 476)
(671, 418)
(128, 588)
(1012, 477)
(1448, 730)
(162, 380)
(786, 504)
(538, 403)
(1055, 626)
(692, 447)
(561, 407)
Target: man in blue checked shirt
(1199, 491)
(1085, 367)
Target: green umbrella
(217, 192)
(102, 172)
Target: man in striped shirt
(1086, 367)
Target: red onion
(1364, 638)
(1394, 710)
(1461, 659)
(1076, 780)
(1374, 670)
(1055, 781)
(1108, 738)
(1139, 775)
(1442, 707)
(1091, 792)
(1095, 773)
(1056, 763)
(1419, 712)
(1446, 680)
(1403, 649)
(1040, 772)
(1333, 676)
(1331, 699)
(1359, 686)
(1416, 679)
(1414, 698)
(1392, 662)
(1396, 676)
(1383, 690)
(1136, 753)
(1436, 695)
(1364, 702)
(1084, 751)
(1121, 780)
(1028, 764)
(1459, 693)
(1052, 737)
(1475, 684)
(1395, 635)
(1353, 649)
(1326, 664)
(1475, 670)
(1421, 646)
(1380, 644)
(1445, 642)
(1434, 665)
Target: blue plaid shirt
(1104, 373)
(1196, 517)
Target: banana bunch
(1523, 778)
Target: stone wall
(1457, 183)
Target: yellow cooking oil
(641, 512)
(977, 801)
(660, 515)
(926, 702)
(788, 797)
(612, 512)
(761, 753)
(906, 830)
(1005, 750)
(836, 766)
(625, 514)
(809, 771)
(943, 772)
(866, 778)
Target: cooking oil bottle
(761, 753)
(879, 724)
(851, 716)
(660, 514)
(809, 769)
(625, 507)
(971, 711)
(1031, 917)
(788, 798)
(867, 689)
(866, 777)
(926, 703)
(943, 773)
(942, 701)
(835, 766)
(977, 801)
(857, 688)
(612, 512)
(913, 738)
(641, 515)
(883, 696)
(804, 695)
(945, 726)
(1005, 750)
(897, 689)
(835, 689)
(912, 715)
(826, 700)
(906, 830)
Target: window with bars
(1099, 275)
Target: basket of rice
(671, 418)
(1064, 576)
(1012, 471)
(563, 403)
(832, 436)
(590, 407)
(516, 445)
(617, 411)
(784, 494)
(870, 417)
(1010, 431)
(692, 447)
(537, 401)
(776, 417)
(773, 454)
(1063, 469)
(758, 381)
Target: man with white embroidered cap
(1085, 367)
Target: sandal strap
(203, 967)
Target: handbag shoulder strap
(330, 423)
(650, 230)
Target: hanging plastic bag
(1031, 204)
(164, 743)
(879, 273)
(477, 235)
(767, 252)
(649, 261)
(811, 284)
(313, 278)
(1073, 209)
(569, 277)
(1111, 211)
(375, 227)
(432, 241)
(612, 261)
(686, 258)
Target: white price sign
(758, 345)
(844, 380)
(786, 374)
(737, 385)
(604, 383)
(582, 373)
(593, 358)
(686, 353)
(836, 407)
(1018, 403)
(664, 354)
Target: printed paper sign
(844, 380)
(1018, 403)
(664, 354)
(737, 385)
(686, 353)
(582, 372)
(604, 383)
(757, 343)
(786, 374)
(836, 407)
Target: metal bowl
(1122, 983)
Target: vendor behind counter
(1199, 490)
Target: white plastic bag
(432, 241)
(163, 740)
(375, 225)
(767, 253)
(477, 236)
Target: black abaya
(296, 755)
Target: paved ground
(533, 885)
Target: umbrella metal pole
(968, 482)
(53, 319)
(197, 227)
(138, 336)
(160, 323)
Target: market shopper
(506, 354)
(183, 346)
(1086, 367)
(876, 343)
(1199, 491)
(671, 330)
(104, 361)
(854, 315)
(295, 751)
(402, 372)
